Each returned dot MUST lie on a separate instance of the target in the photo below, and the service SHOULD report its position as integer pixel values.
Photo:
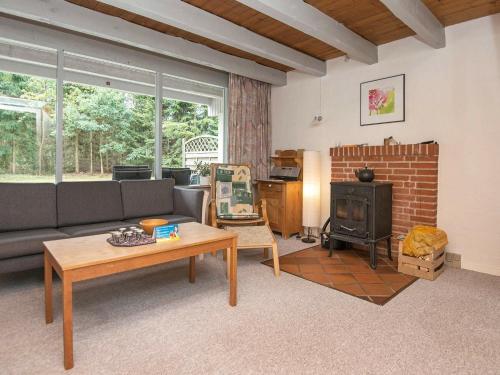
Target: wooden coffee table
(84, 258)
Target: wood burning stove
(361, 213)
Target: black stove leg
(331, 247)
(373, 255)
(389, 248)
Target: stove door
(350, 216)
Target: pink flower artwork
(378, 99)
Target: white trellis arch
(201, 148)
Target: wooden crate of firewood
(428, 267)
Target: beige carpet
(155, 322)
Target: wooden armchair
(232, 202)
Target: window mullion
(158, 124)
(59, 114)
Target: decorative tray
(145, 240)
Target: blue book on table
(167, 232)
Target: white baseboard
(492, 269)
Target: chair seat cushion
(240, 216)
(172, 219)
(258, 221)
(253, 236)
(26, 242)
(91, 229)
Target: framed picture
(382, 100)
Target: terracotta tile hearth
(347, 271)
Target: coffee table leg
(233, 268)
(276, 261)
(192, 269)
(48, 289)
(68, 322)
(227, 255)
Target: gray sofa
(33, 213)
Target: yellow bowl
(150, 224)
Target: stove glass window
(341, 209)
(358, 211)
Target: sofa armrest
(189, 202)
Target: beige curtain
(249, 128)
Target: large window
(103, 128)
(27, 128)
(109, 115)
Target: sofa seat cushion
(143, 198)
(172, 219)
(88, 202)
(27, 206)
(27, 262)
(26, 242)
(91, 229)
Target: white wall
(452, 96)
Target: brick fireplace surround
(413, 170)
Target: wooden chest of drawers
(284, 205)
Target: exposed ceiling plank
(311, 21)
(195, 20)
(420, 19)
(72, 17)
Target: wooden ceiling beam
(197, 21)
(420, 19)
(311, 21)
(60, 13)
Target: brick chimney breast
(413, 170)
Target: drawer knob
(269, 185)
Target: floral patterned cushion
(234, 198)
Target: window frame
(171, 80)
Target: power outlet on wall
(453, 260)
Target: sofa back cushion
(143, 198)
(88, 202)
(27, 206)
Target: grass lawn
(66, 177)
